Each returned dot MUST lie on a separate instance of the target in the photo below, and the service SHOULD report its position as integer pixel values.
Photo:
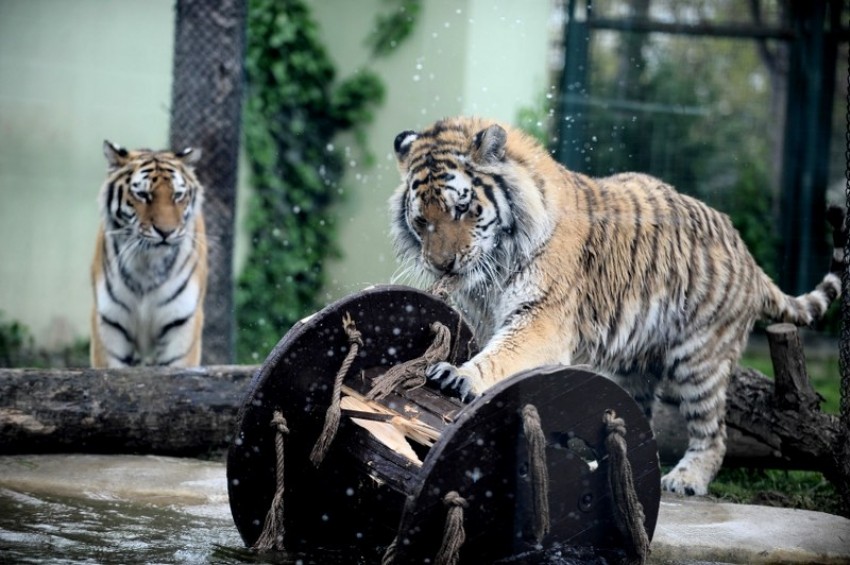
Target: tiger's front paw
(683, 481)
(455, 381)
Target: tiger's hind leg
(701, 386)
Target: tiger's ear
(488, 145)
(402, 144)
(115, 155)
(190, 156)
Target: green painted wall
(71, 74)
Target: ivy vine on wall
(294, 108)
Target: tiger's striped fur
(150, 265)
(647, 285)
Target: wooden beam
(184, 412)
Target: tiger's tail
(808, 308)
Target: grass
(808, 490)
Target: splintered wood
(388, 426)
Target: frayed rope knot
(453, 532)
(538, 471)
(273, 529)
(350, 329)
(279, 422)
(628, 511)
(332, 416)
(411, 374)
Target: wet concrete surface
(147, 509)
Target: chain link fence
(206, 103)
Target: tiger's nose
(163, 233)
(444, 264)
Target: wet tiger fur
(150, 266)
(623, 273)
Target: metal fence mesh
(206, 113)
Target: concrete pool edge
(689, 529)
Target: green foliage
(18, 349)
(535, 120)
(748, 202)
(393, 28)
(15, 342)
(294, 109)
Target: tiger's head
(150, 197)
(471, 202)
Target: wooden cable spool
(372, 491)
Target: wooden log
(185, 412)
(193, 412)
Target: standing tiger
(623, 273)
(150, 265)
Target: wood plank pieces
(336, 504)
(483, 456)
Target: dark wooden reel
(483, 456)
(364, 495)
(339, 504)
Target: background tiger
(150, 265)
(623, 273)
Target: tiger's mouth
(461, 266)
(158, 242)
